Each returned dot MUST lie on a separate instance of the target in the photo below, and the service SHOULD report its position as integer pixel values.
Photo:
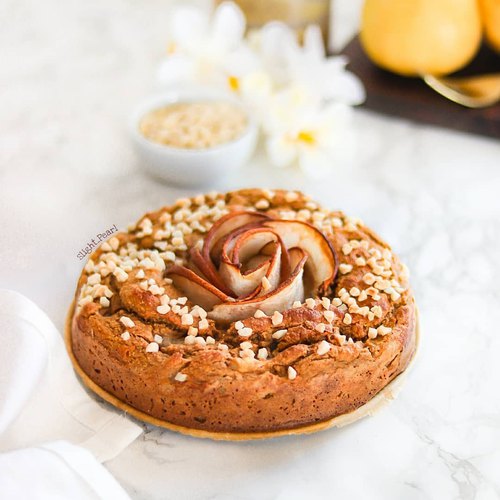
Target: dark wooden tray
(410, 98)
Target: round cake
(252, 311)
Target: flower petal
(314, 46)
(189, 27)
(174, 69)
(281, 152)
(277, 43)
(342, 85)
(228, 27)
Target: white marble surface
(71, 71)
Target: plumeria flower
(316, 138)
(273, 43)
(256, 90)
(308, 66)
(207, 49)
(287, 107)
(300, 96)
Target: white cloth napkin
(56, 470)
(41, 401)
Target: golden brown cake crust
(214, 384)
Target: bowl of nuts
(193, 136)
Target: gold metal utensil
(471, 91)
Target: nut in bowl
(193, 137)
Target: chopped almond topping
(245, 332)
(152, 347)
(346, 249)
(323, 347)
(279, 334)
(345, 268)
(259, 314)
(320, 327)
(180, 377)
(310, 303)
(125, 321)
(262, 353)
(384, 330)
(329, 316)
(277, 318)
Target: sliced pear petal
(223, 248)
(246, 244)
(210, 272)
(279, 299)
(254, 263)
(227, 224)
(250, 283)
(242, 284)
(274, 272)
(239, 249)
(196, 288)
(295, 255)
(273, 275)
(251, 242)
(322, 259)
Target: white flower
(273, 44)
(287, 107)
(307, 65)
(256, 90)
(300, 96)
(207, 49)
(316, 139)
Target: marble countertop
(70, 74)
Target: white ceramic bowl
(192, 167)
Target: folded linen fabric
(42, 401)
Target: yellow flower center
(234, 83)
(171, 48)
(306, 136)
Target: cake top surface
(254, 276)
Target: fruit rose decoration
(250, 261)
